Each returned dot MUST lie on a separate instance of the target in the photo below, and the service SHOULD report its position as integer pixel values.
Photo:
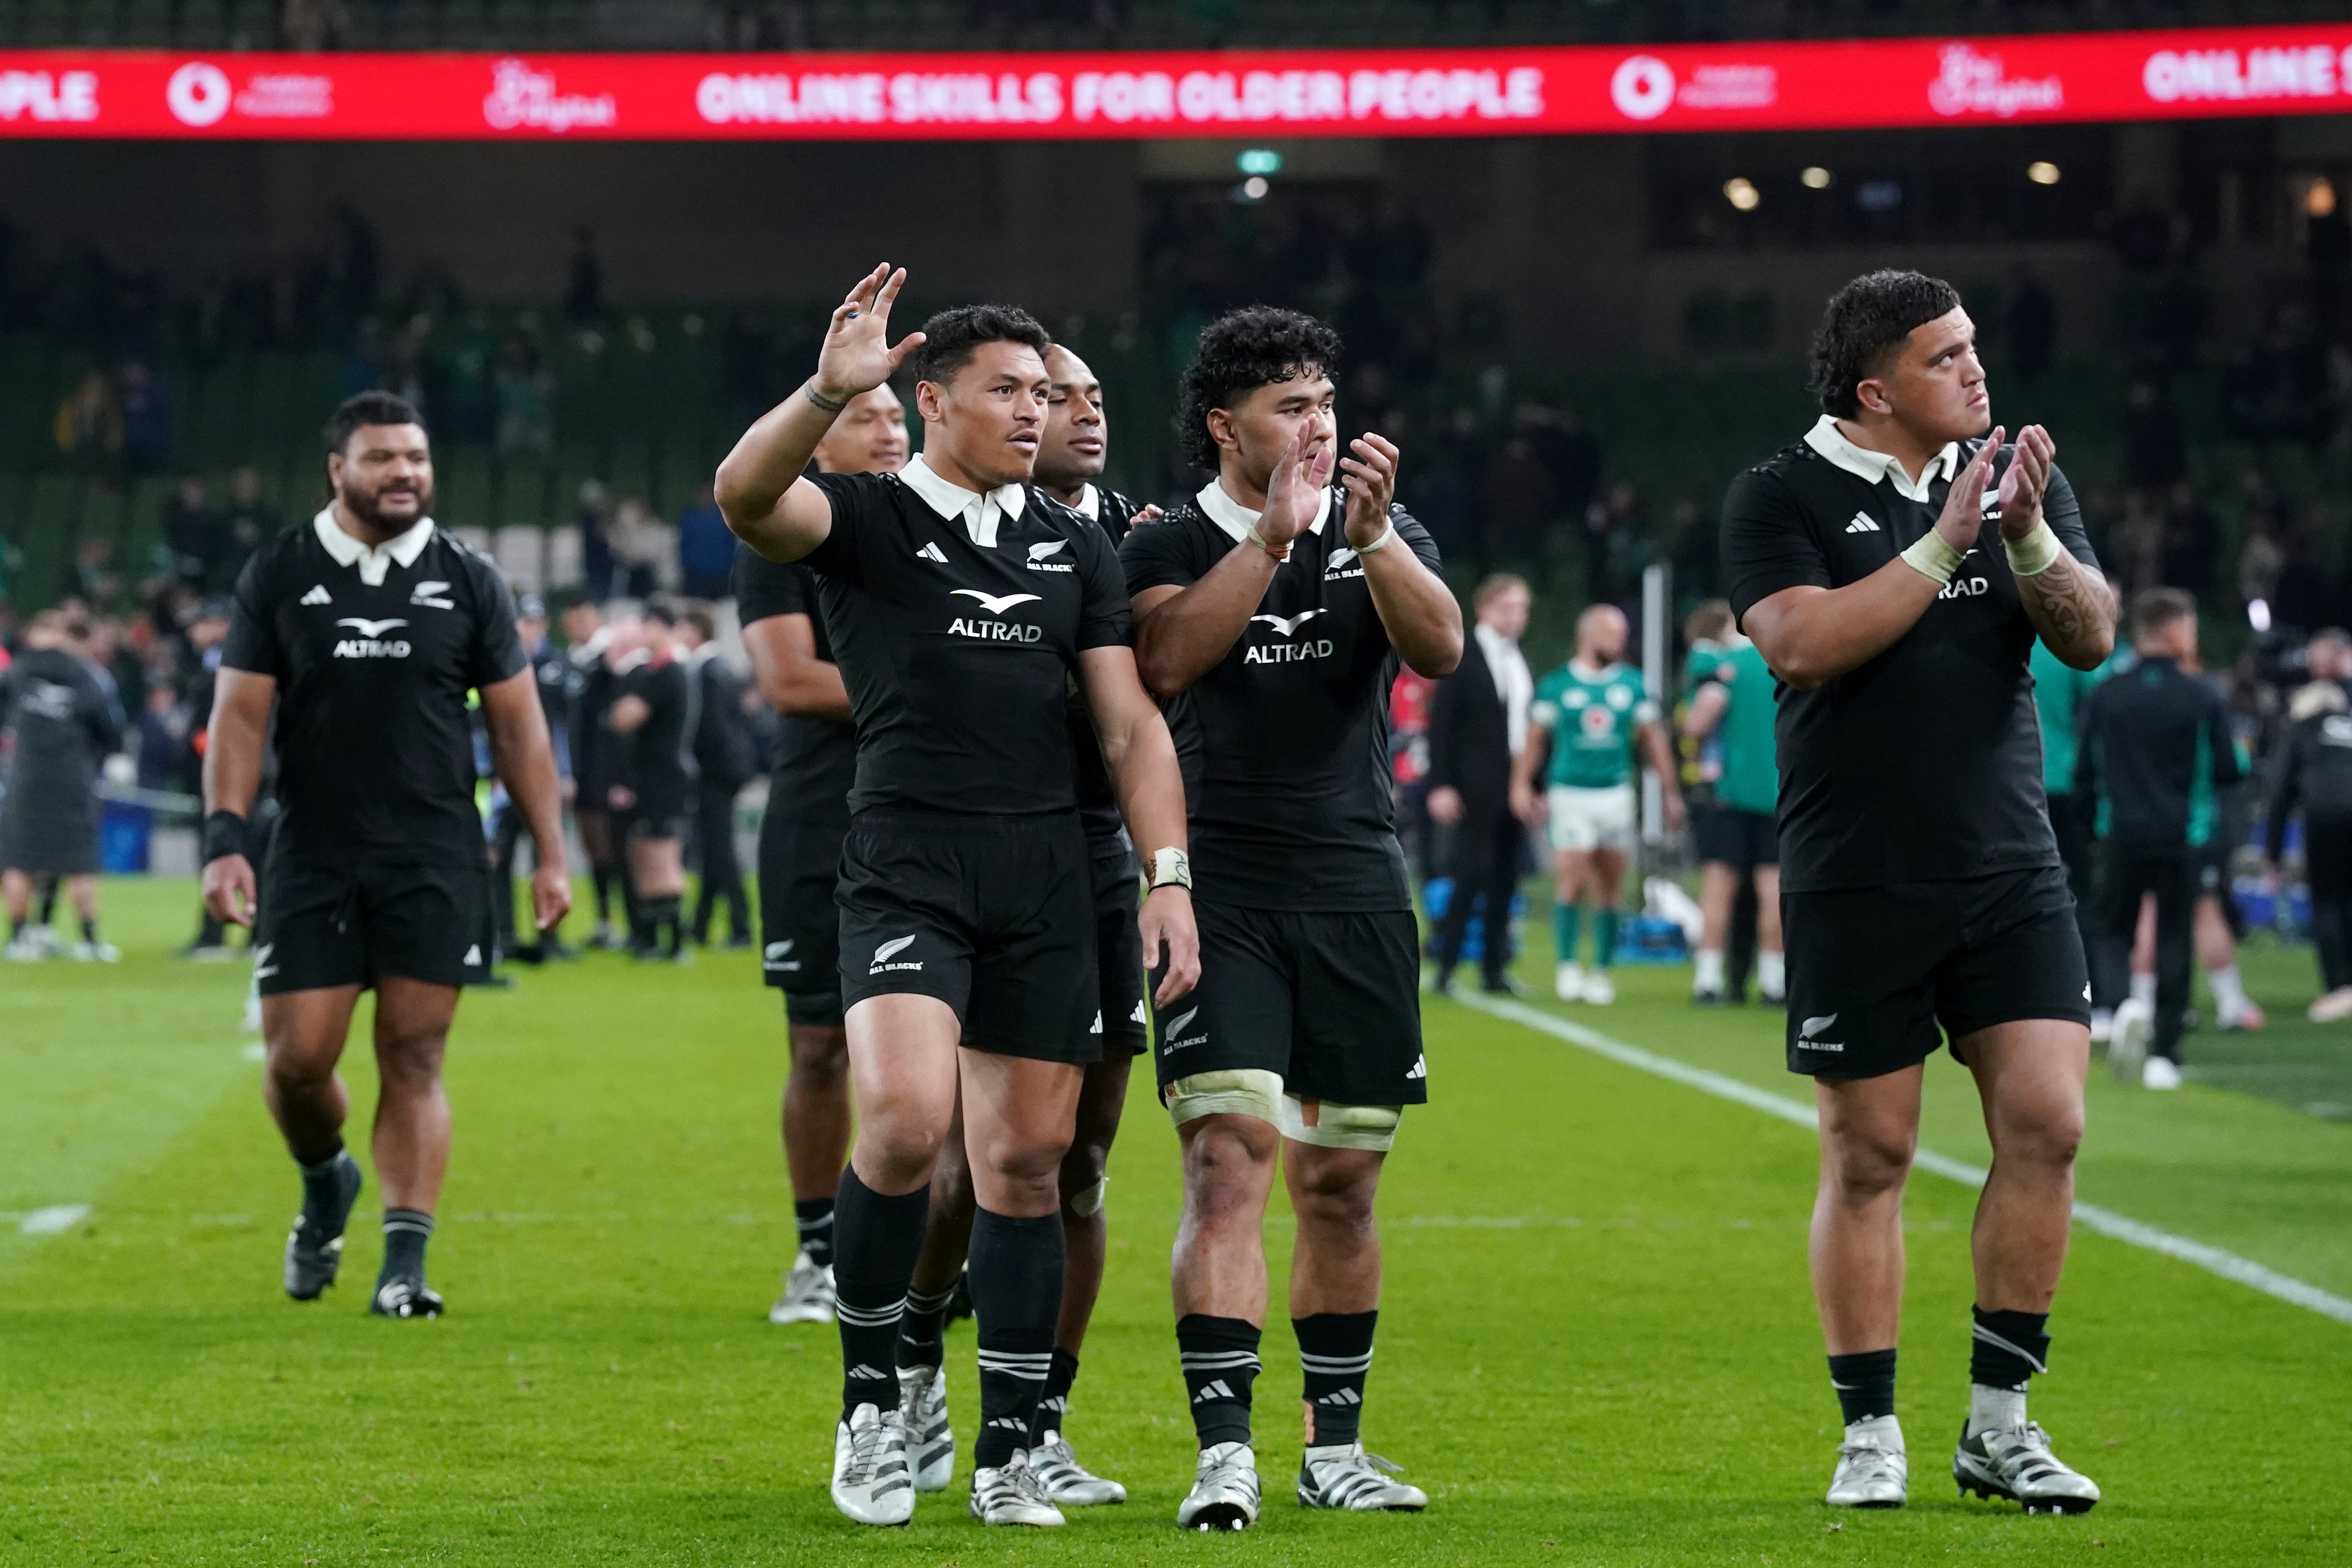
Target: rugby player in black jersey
(367, 627)
(1273, 612)
(655, 717)
(1894, 567)
(1070, 458)
(800, 851)
(962, 604)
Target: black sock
(875, 1241)
(1220, 1360)
(2010, 1348)
(1864, 1381)
(90, 931)
(669, 916)
(16, 926)
(49, 903)
(1053, 1399)
(602, 877)
(322, 1185)
(1016, 1295)
(814, 1217)
(406, 1231)
(1335, 1355)
(922, 1332)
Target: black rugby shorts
(1330, 1001)
(1742, 840)
(1119, 948)
(323, 926)
(995, 916)
(1879, 976)
(799, 923)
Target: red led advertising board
(1274, 92)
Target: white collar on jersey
(1090, 503)
(1238, 519)
(373, 560)
(1870, 467)
(978, 513)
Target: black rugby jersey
(660, 752)
(957, 620)
(1285, 741)
(373, 652)
(819, 759)
(1097, 793)
(1924, 765)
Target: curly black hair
(1866, 322)
(1242, 351)
(368, 409)
(952, 337)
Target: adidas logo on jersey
(1097, 1028)
(474, 956)
(1140, 1016)
(1419, 1068)
(931, 553)
(1216, 1388)
(1863, 524)
(318, 596)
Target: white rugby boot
(1873, 1469)
(1011, 1494)
(931, 1440)
(1224, 1494)
(808, 1295)
(2127, 1047)
(2160, 1072)
(869, 1468)
(1599, 988)
(1069, 1484)
(2016, 1463)
(1567, 982)
(1343, 1476)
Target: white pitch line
(2106, 1222)
(54, 1220)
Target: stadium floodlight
(1254, 188)
(2319, 197)
(1742, 193)
(2043, 171)
(1815, 178)
(1259, 160)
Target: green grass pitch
(1597, 1344)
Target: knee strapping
(1241, 1091)
(1327, 1124)
(1087, 1201)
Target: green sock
(1564, 924)
(1605, 937)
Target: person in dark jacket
(2313, 772)
(1477, 721)
(2156, 745)
(66, 724)
(653, 723)
(722, 759)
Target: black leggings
(2327, 862)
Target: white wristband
(1931, 557)
(1171, 868)
(2036, 553)
(1388, 531)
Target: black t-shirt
(959, 657)
(1924, 765)
(1098, 796)
(375, 755)
(660, 751)
(1286, 741)
(819, 759)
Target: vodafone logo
(199, 94)
(1644, 87)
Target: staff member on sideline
(1477, 722)
(2313, 771)
(367, 627)
(1893, 567)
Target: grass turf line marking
(2106, 1222)
(55, 1220)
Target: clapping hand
(857, 356)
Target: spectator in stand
(723, 763)
(636, 549)
(1477, 722)
(1614, 534)
(163, 738)
(706, 549)
(248, 523)
(95, 578)
(87, 428)
(192, 532)
(597, 566)
(146, 418)
(2313, 772)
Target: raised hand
(2022, 488)
(1963, 516)
(857, 356)
(1368, 473)
(1294, 495)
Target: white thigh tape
(1330, 1125)
(1242, 1091)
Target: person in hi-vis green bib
(1591, 720)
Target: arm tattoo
(2068, 606)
